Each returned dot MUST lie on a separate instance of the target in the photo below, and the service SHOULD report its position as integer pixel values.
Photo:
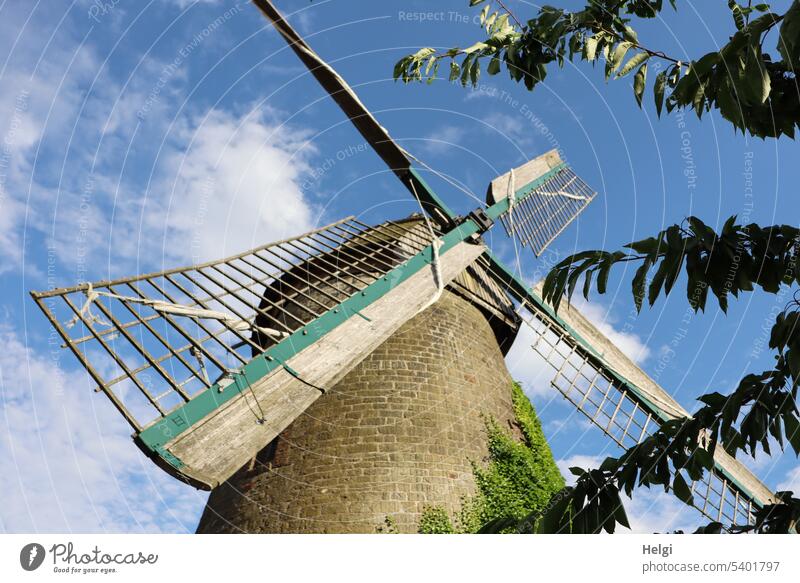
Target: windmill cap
(523, 175)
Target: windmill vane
(330, 355)
(189, 325)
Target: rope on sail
(163, 307)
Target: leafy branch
(750, 89)
(727, 263)
(763, 405)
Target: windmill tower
(319, 383)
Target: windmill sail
(375, 134)
(628, 406)
(544, 196)
(209, 363)
(395, 157)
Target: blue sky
(145, 135)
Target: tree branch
(510, 14)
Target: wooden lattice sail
(540, 210)
(627, 405)
(174, 351)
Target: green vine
(435, 520)
(519, 478)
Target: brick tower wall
(397, 434)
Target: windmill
(211, 363)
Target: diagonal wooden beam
(395, 157)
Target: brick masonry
(395, 435)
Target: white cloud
(230, 183)
(515, 128)
(481, 91)
(67, 462)
(11, 216)
(527, 367)
(587, 462)
(574, 421)
(37, 98)
(443, 140)
(629, 343)
(78, 168)
(653, 510)
(221, 183)
(791, 482)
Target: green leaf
(639, 81)
(485, 13)
(551, 521)
(399, 67)
(431, 62)
(478, 46)
(494, 66)
(423, 53)
(630, 35)
(674, 259)
(500, 26)
(632, 63)
(616, 57)
(699, 100)
(738, 17)
(497, 525)
(649, 245)
(791, 427)
(475, 72)
(715, 399)
(710, 528)
(489, 22)
(658, 91)
(789, 38)
(590, 48)
(638, 284)
(572, 280)
(757, 81)
(602, 278)
(704, 457)
(619, 512)
(793, 357)
(465, 66)
(657, 282)
(455, 71)
(587, 284)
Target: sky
(138, 136)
